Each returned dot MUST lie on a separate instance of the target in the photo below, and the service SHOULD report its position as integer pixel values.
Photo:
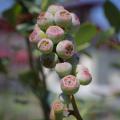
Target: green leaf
(46, 3)
(103, 36)
(113, 14)
(12, 14)
(84, 35)
(24, 28)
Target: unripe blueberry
(63, 18)
(63, 69)
(65, 49)
(45, 46)
(37, 34)
(83, 75)
(57, 110)
(44, 20)
(49, 60)
(55, 33)
(75, 21)
(70, 85)
(54, 8)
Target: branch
(76, 111)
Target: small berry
(55, 33)
(57, 110)
(63, 69)
(49, 60)
(65, 49)
(70, 85)
(54, 8)
(63, 18)
(83, 75)
(37, 35)
(44, 20)
(75, 21)
(45, 45)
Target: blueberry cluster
(52, 33)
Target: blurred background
(27, 89)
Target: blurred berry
(83, 75)
(44, 20)
(37, 35)
(54, 8)
(63, 18)
(49, 60)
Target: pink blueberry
(70, 84)
(63, 18)
(54, 8)
(49, 60)
(65, 49)
(63, 69)
(45, 45)
(75, 21)
(83, 75)
(57, 110)
(37, 34)
(55, 33)
(44, 20)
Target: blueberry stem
(76, 111)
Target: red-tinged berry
(37, 35)
(44, 20)
(57, 110)
(63, 18)
(83, 75)
(54, 8)
(70, 85)
(55, 33)
(65, 49)
(45, 46)
(75, 21)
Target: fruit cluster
(52, 33)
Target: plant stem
(76, 111)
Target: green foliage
(84, 35)
(104, 36)
(28, 77)
(12, 14)
(116, 65)
(3, 65)
(113, 14)
(46, 3)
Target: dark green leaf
(84, 35)
(113, 14)
(12, 14)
